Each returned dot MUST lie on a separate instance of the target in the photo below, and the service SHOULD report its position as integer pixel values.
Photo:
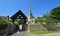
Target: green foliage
(52, 17)
(39, 20)
(50, 20)
(46, 19)
(16, 22)
(55, 13)
(36, 21)
(3, 24)
(21, 21)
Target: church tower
(30, 16)
(31, 19)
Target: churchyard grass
(43, 32)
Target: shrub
(3, 24)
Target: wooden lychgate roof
(19, 15)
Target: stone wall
(37, 27)
(11, 28)
(4, 31)
(40, 27)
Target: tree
(21, 21)
(55, 13)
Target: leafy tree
(55, 13)
(21, 21)
(52, 17)
(16, 22)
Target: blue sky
(39, 7)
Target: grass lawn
(44, 32)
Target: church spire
(30, 16)
(30, 12)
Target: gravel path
(26, 34)
(20, 34)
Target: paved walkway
(23, 33)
